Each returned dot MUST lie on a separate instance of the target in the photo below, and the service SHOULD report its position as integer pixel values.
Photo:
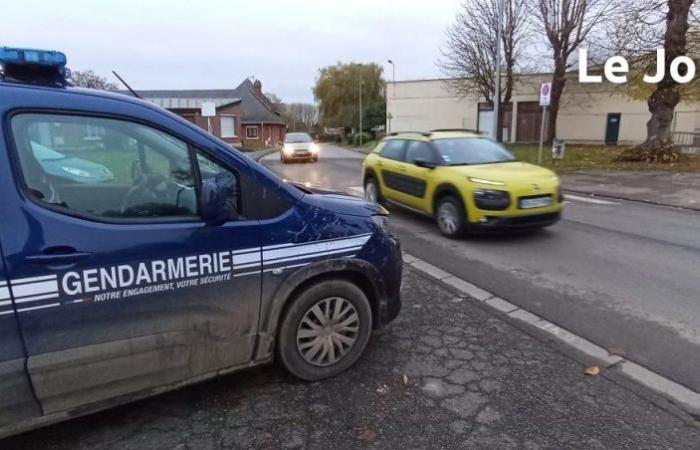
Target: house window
(228, 126)
(251, 132)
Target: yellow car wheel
(451, 217)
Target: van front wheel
(324, 330)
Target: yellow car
(463, 179)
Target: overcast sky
(171, 44)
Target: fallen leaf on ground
(367, 436)
(405, 379)
(593, 370)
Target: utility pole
(497, 93)
(360, 91)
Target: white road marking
(595, 201)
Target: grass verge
(600, 157)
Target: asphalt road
(445, 374)
(624, 275)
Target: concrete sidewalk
(446, 374)
(658, 187)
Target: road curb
(257, 156)
(628, 199)
(681, 396)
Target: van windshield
(461, 151)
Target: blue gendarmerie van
(139, 254)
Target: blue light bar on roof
(25, 56)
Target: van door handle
(59, 258)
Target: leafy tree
(469, 55)
(337, 92)
(89, 79)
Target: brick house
(245, 117)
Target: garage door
(529, 122)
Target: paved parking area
(446, 374)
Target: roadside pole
(542, 126)
(545, 99)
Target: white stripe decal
(270, 247)
(314, 255)
(36, 298)
(247, 250)
(25, 290)
(4, 293)
(51, 305)
(4, 313)
(3, 283)
(247, 266)
(314, 248)
(32, 279)
(6, 302)
(244, 274)
(246, 258)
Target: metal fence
(688, 142)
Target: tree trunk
(558, 84)
(666, 97)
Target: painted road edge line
(678, 394)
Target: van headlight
(287, 149)
(314, 148)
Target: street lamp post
(393, 88)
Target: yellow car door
(415, 171)
(388, 166)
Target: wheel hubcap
(328, 331)
(447, 218)
(371, 192)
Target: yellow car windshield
(460, 151)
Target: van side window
(393, 149)
(104, 168)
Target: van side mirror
(421, 162)
(216, 202)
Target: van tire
(451, 217)
(295, 345)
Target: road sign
(545, 94)
(208, 109)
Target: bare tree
(567, 24)
(89, 79)
(302, 116)
(469, 54)
(652, 24)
